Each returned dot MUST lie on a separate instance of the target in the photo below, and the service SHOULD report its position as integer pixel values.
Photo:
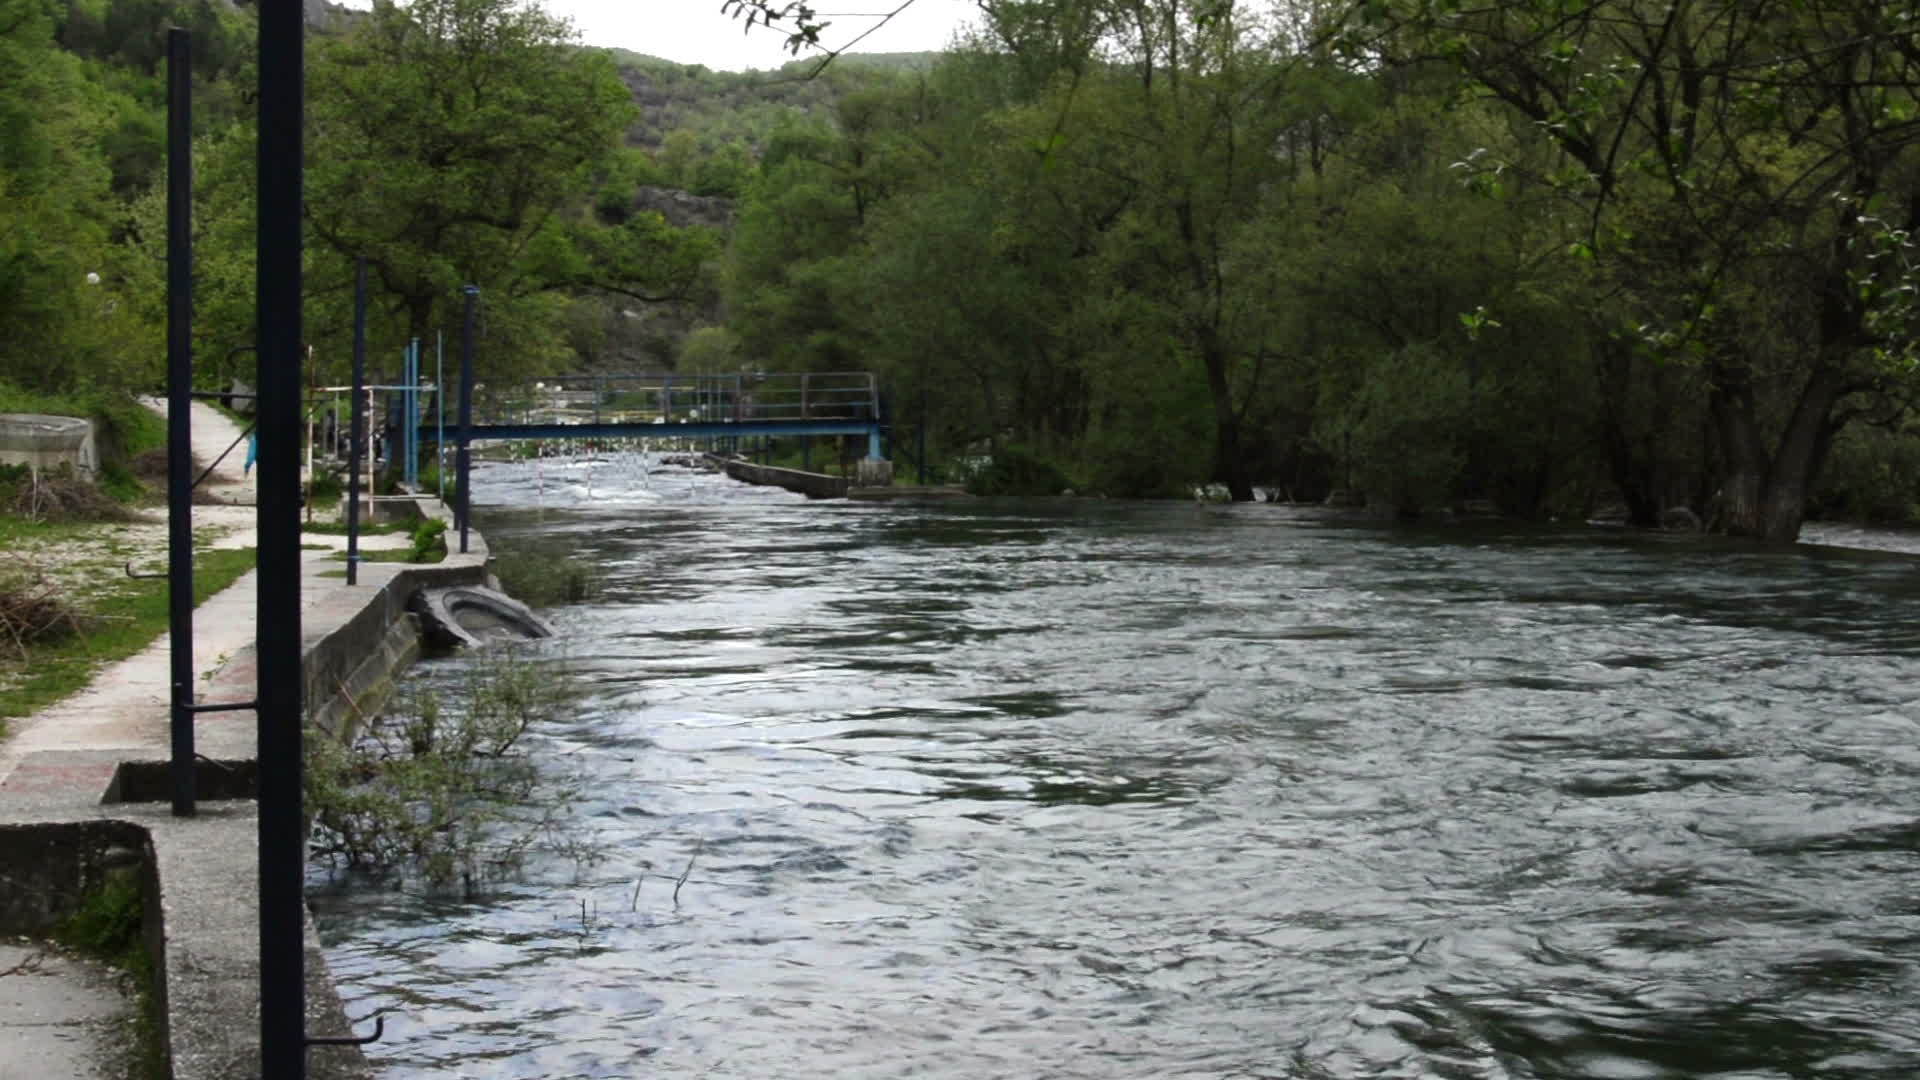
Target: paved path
(125, 708)
(63, 1018)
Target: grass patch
(17, 531)
(429, 546)
(339, 528)
(123, 621)
(107, 928)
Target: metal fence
(675, 398)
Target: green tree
(1744, 176)
(65, 317)
(1157, 136)
(457, 141)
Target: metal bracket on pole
(379, 1029)
(222, 706)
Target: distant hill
(892, 61)
(722, 107)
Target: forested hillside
(1547, 255)
(451, 141)
(1539, 256)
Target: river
(1052, 789)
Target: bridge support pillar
(873, 472)
(873, 447)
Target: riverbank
(82, 795)
(83, 804)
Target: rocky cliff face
(321, 15)
(683, 208)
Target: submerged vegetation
(546, 576)
(439, 788)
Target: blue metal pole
(463, 487)
(440, 410)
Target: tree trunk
(1228, 463)
(1632, 474)
(1802, 453)
(1765, 496)
(1743, 455)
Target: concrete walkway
(125, 708)
(63, 1018)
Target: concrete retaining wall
(812, 485)
(47, 870)
(350, 669)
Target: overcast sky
(695, 31)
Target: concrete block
(47, 442)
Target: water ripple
(1074, 789)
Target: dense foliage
(1539, 255)
(450, 142)
(1544, 254)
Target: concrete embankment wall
(349, 669)
(812, 485)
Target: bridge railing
(677, 397)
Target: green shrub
(1402, 430)
(119, 482)
(438, 788)
(107, 924)
(1872, 476)
(429, 541)
(11, 479)
(1017, 471)
(329, 486)
(543, 578)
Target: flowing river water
(1072, 788)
